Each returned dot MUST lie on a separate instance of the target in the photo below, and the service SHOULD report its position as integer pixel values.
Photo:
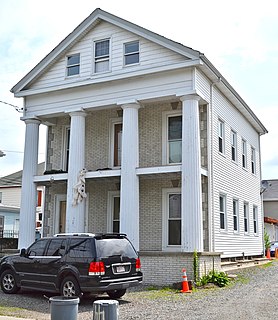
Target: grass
(10, 311)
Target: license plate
(120, 269)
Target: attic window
(102, 50)
(131, 53)
(73, 64)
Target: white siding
(11, 196)
(151, 55)
(202, 84)
(110, 93)
(231, 179)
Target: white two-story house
(167, 151)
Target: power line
(18, 109)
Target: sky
(239, 37)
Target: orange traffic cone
(185, 287)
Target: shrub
(221, 279)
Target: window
(56, 247)
(246, 217)
(174, 134)
(1, 226)
(116, 214)
(1, 195)
(66, 144)
(235, 214)
(102, 52)
(37, 248)
(255, 219)
(174, 219)
(117, 144)
(39, 198)
(221, 136)
(131, 53)
(244, 154)
(222, 211)
(73, 65)
(234, 145)
(253, 160)
(80, 248)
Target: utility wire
(18, 109)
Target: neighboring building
(10, 198)
(270, 203)
(171, 151)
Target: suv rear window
(115, 247)
(80, 248)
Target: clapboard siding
(151, 55)
(111, 93)
(202, 84)
(234, 181)
(11, 196)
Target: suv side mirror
(23, 252)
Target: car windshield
(115, 247)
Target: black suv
(73, 264)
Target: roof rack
(74, 234)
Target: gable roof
(84, 27)
(99, 15)
(15, 179)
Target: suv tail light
(97, 269)
(138, 265)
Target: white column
(192, 221)
(27, 218)
(75, 214)
(129, 216)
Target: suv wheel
(116, 294)
(8, 283)
(70, 287)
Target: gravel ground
(253, 296)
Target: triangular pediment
(157, 51)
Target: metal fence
(8, 234)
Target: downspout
(211, 170)
(261, 196)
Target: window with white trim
(113, 211)
(244, 153)
(102, 56)
(131, 53)
(255, 219)
(235, 215)
(253, 160)
(234, 145)
(174, 139)
(116, 129)
(222, 211)
(66, 146)
(246, 217)
(221, 136)
(172, 217)
(73, 64)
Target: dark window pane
(174, 128)
(222, 221)
(131, 47)
(75, 59)
(73, 70)
(245, 225)
(132, 58)
(235, 223)
(37, 248)
(102, 48)
(220, 145)
(116, 226)
(174, 234)
(80, 248)
(233, 154)
(56, 247)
